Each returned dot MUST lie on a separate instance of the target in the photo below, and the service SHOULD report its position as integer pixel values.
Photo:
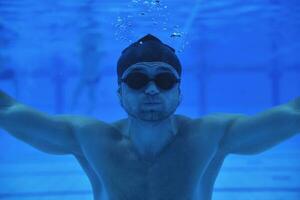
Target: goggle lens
(138, 80)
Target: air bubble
(176, 34)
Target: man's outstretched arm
(254, 134)
(51, 134)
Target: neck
(150, 132)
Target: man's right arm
(51, 134)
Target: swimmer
(90, 76)
(7, 72)
(153, 154)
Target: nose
(151, 89)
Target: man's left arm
(254, 134)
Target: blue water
(237, 57)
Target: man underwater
(152, 154)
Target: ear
(119, 93)
(180, 97)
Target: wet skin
(183, 169)
(173, 169)
(153, 154)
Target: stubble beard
(154, 114)
(150, 114)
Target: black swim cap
(147, 49)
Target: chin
(153, 115)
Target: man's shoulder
(216, 118)
(83, 125)
(119, 124)
(80, 121)
(182, 119)
(211, 124)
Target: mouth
(152, 103)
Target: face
(149, 103)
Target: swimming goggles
(138, 80)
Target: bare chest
(173, 173)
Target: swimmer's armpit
(260, 132)
(295, 104)
(5, 100)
